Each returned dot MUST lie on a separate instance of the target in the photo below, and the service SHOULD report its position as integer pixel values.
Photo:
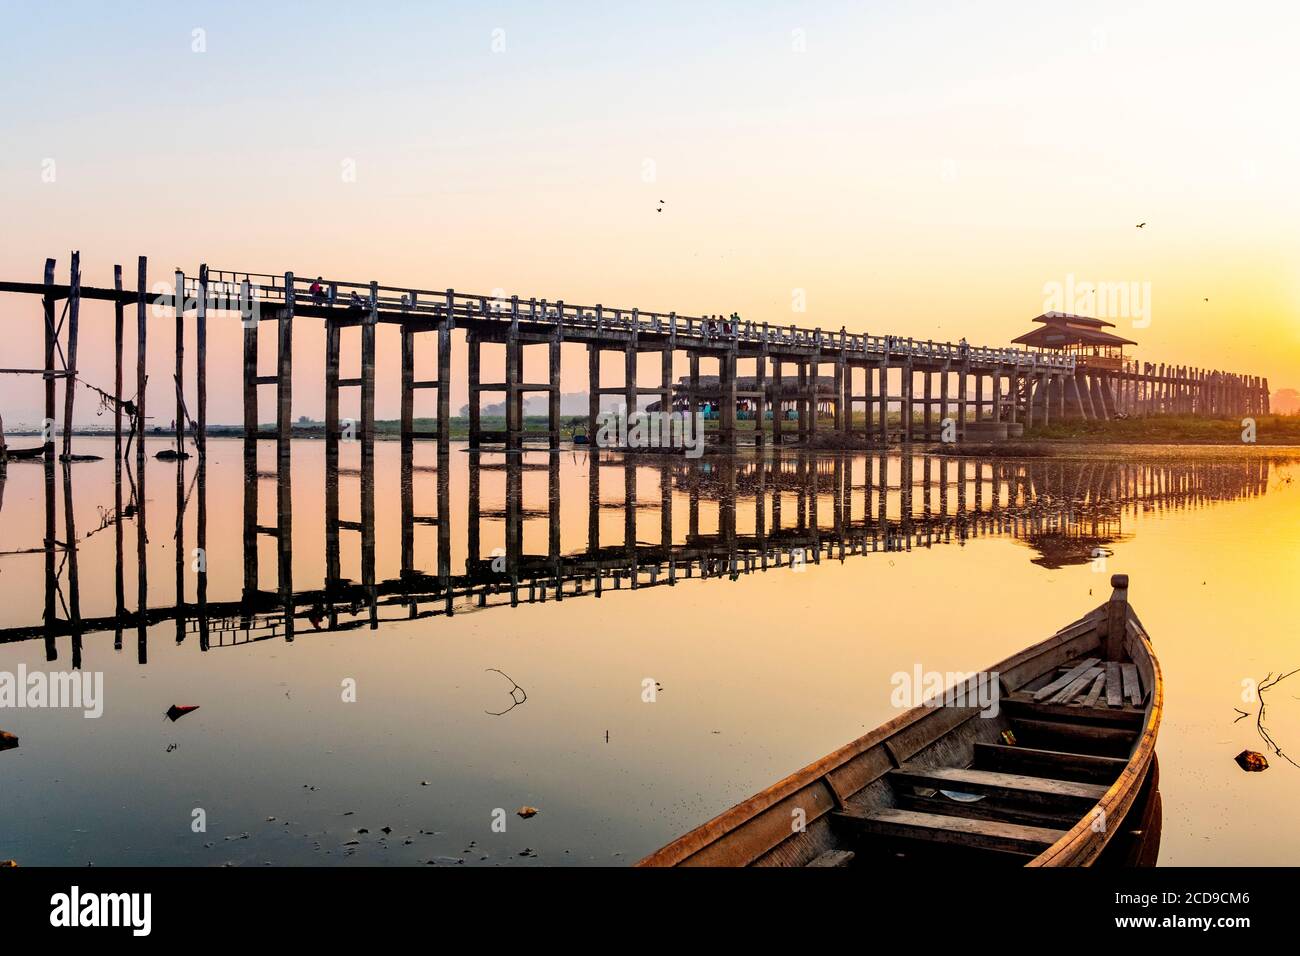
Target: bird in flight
(1141, 224)
(661, 206)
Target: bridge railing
(438, 304)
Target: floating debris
(527, 812)
(7, 740)
(176, 711)
(1251, 761)
(516, 701)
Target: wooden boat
(1063, 775)
(24, 454)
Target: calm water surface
(885, 562)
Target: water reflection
(712, 517)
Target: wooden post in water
(249, 317)
(178, 309)
(47, 427)
(119, 323)
(141, 376)
(444, 390)
(996, 397)
(909, 387)
(474, 361)
(961, 395)
(553, 396)
(593, 397)
(201, 374)
(778, 405)
(284, 433)
(727, 397)
(70, 359)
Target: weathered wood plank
(1076, 686)
(1018, 706)
(1057, 764)
(1132, 687)
(1063, 793)
(963, 831)
(1061, 682)
(1098, 686)
(1114, 691)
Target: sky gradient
(923, 171)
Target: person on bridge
(318, 292)
(356, 303)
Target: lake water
(775, 597)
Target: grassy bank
(1172, 430)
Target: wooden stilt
(70, 358)
(201, 374)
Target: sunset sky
(921, 170)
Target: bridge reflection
(717, 516)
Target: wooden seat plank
(960, 831)
(1112, 740)
(988, 810)
(1025, 706)
(1114, 690)
(1097, 686)
(1132, 686)
(1057, 764)
(1009, 786)
(1064, 680)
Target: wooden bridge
(871, 374)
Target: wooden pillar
(841, 419)
(778, 406)
(250, 321)
(666, 392)
(284, 370)
(629, 382)
(474, 359)
(119, 322)
(368, 326)
(996, 397)
(47, 426)
(727, 398)
(943, 392)
(70, 358)
(178, 310)
(909, 386)
(141, 376)
(553, 396)
(883, 375)
(962, 388)
(761, 403)
(333, 572)
(927, 392)
(407, 405)
(593, 394)
(444, 393)
(801, 403)
(201, 372)
(284, 426)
